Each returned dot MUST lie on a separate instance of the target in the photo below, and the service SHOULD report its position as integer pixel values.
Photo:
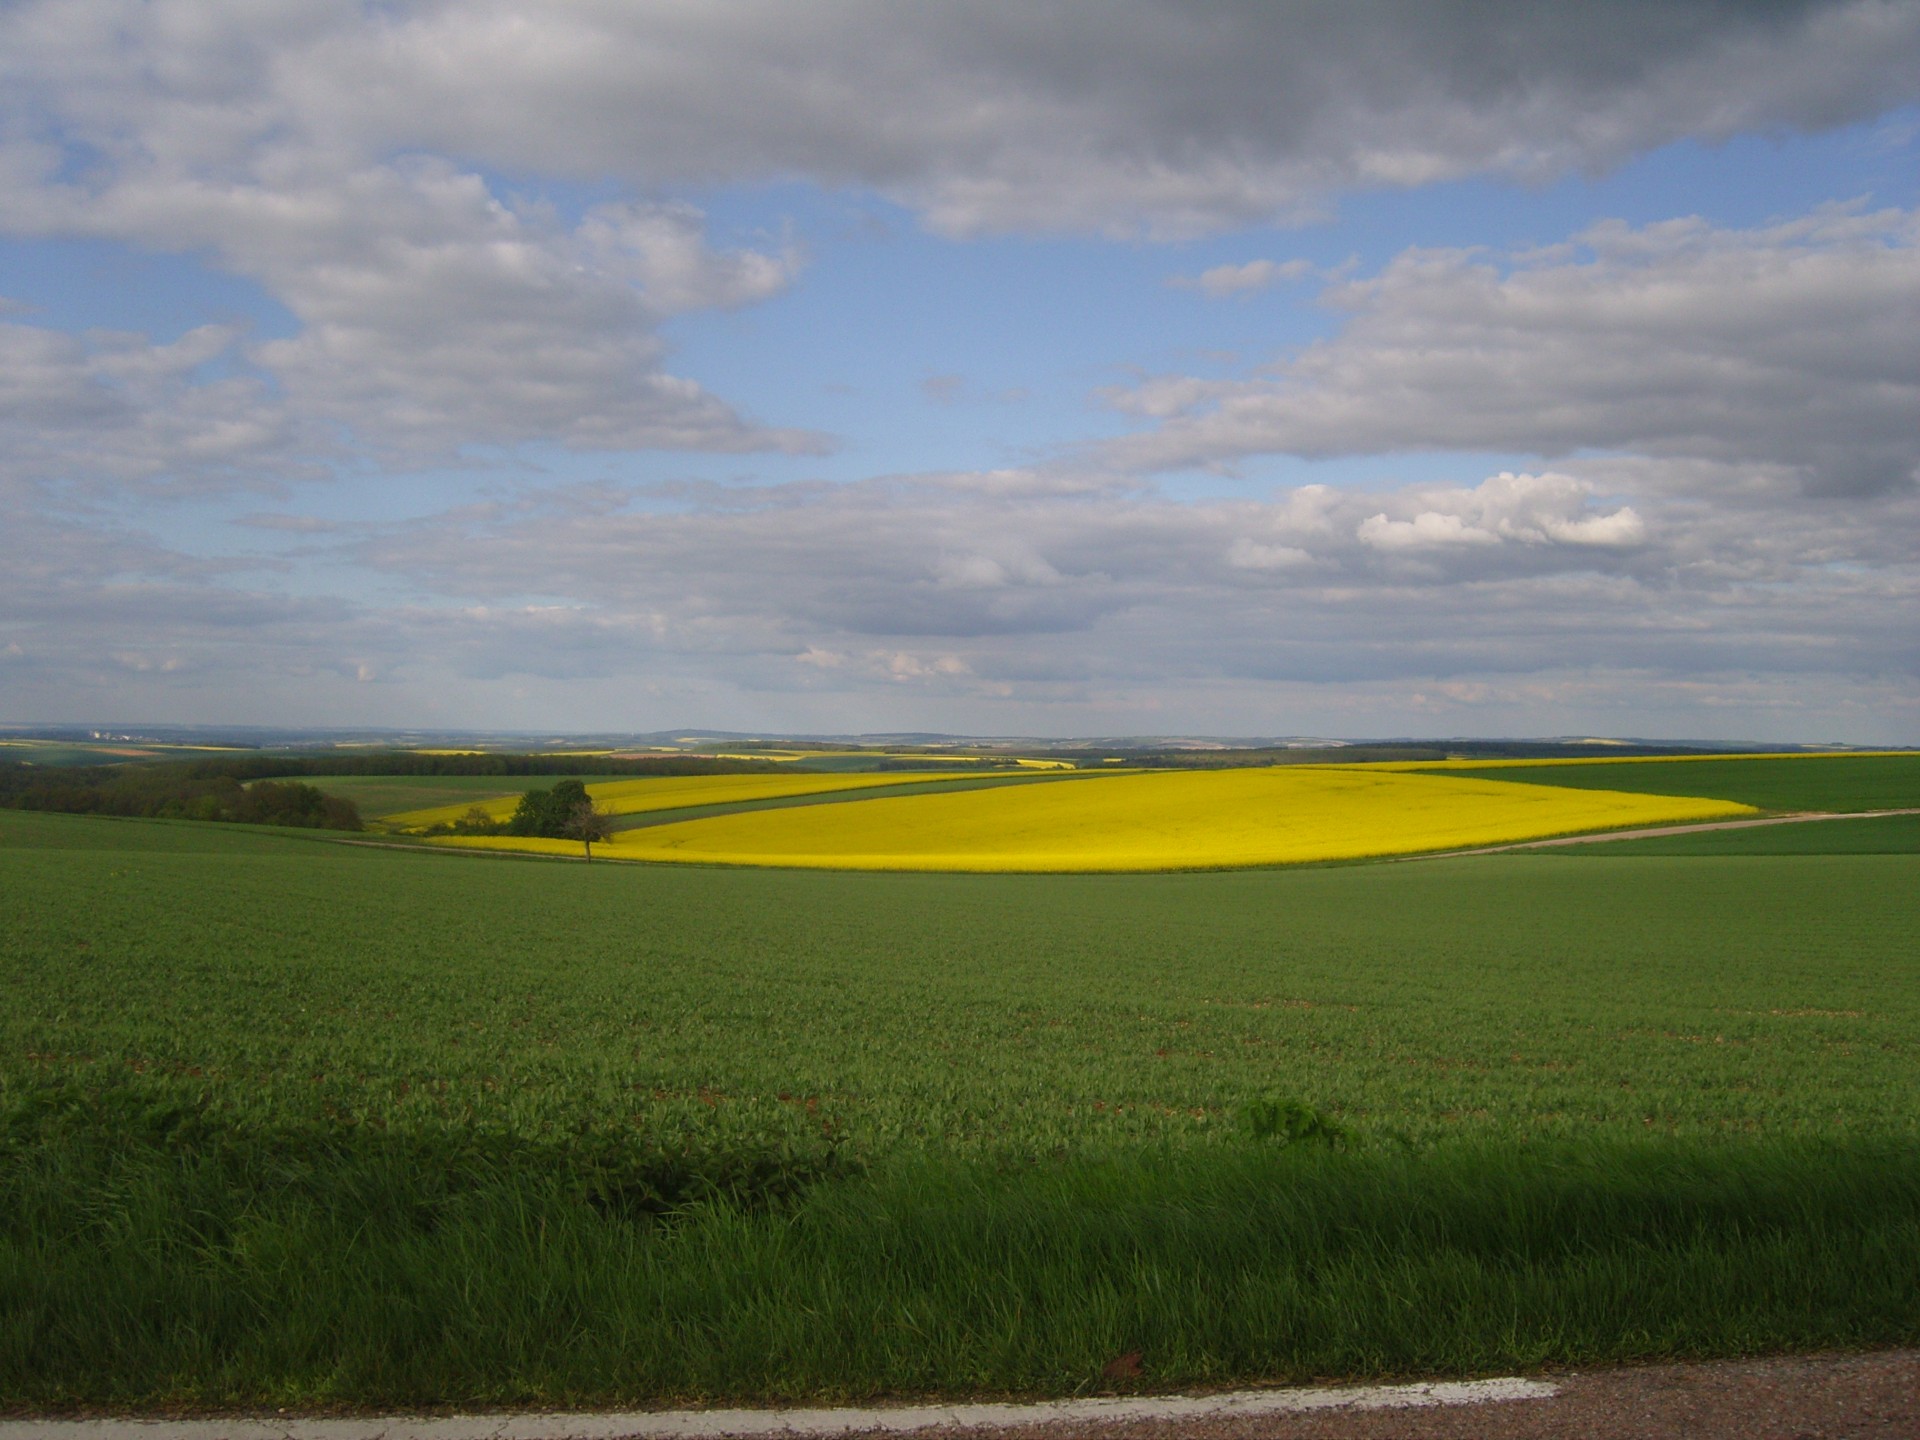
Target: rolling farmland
(1171, 820)
(548, 1133)
(1768, 782)
(287, 1119)
(638, 797)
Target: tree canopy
(549, 813)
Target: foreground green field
(1520, 995)
(288, 1121)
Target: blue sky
(1122, 370)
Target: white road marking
(715, 1424)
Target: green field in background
(378, 795)
(1876, 835)
(1789, 782)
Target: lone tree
(587, 824)
(566, 812)
(547, 812)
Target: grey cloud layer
(1049, 603)
(117, 410)
(1091, 115)
(1317, 583)
(433, 313)
(1087, 115)
(1795, 345)
(337, 156)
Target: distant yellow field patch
(676, 792)
(1162, 821)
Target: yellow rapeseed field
(675, 792)
(519, 844)
(1160, 821)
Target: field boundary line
(714, 1424)
(1655, 831)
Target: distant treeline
(267, 789)
(410, 762)
(168, 792)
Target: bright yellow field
(1160, 821)
(519, 844)
(676, 792)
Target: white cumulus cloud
(1796, 344)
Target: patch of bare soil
(1818, 1397)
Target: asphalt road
(1825, 1397)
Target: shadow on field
(152, 1254)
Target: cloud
(288, 524)
(450, 319)
(349, 160)
(1028, 587)
(1795, 345)
(1041, 601)
(1528, 509)
(99, 619)
(116, 409)
(1225, 281)
(1138, 117)
(434, 312)
(1151, 116)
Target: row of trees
(171, 793)
(414, 762)
(188, 792)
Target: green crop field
(287, 1120)
(1794, 782)
(1875, 835)
(1519, 995)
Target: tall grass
(369, 1269)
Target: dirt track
(1653, 831)
(1859, 1397)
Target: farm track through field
(1657, 831)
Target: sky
(1100, 368)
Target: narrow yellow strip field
(676, 792)
(1162, 821)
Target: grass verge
(150, 1262)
